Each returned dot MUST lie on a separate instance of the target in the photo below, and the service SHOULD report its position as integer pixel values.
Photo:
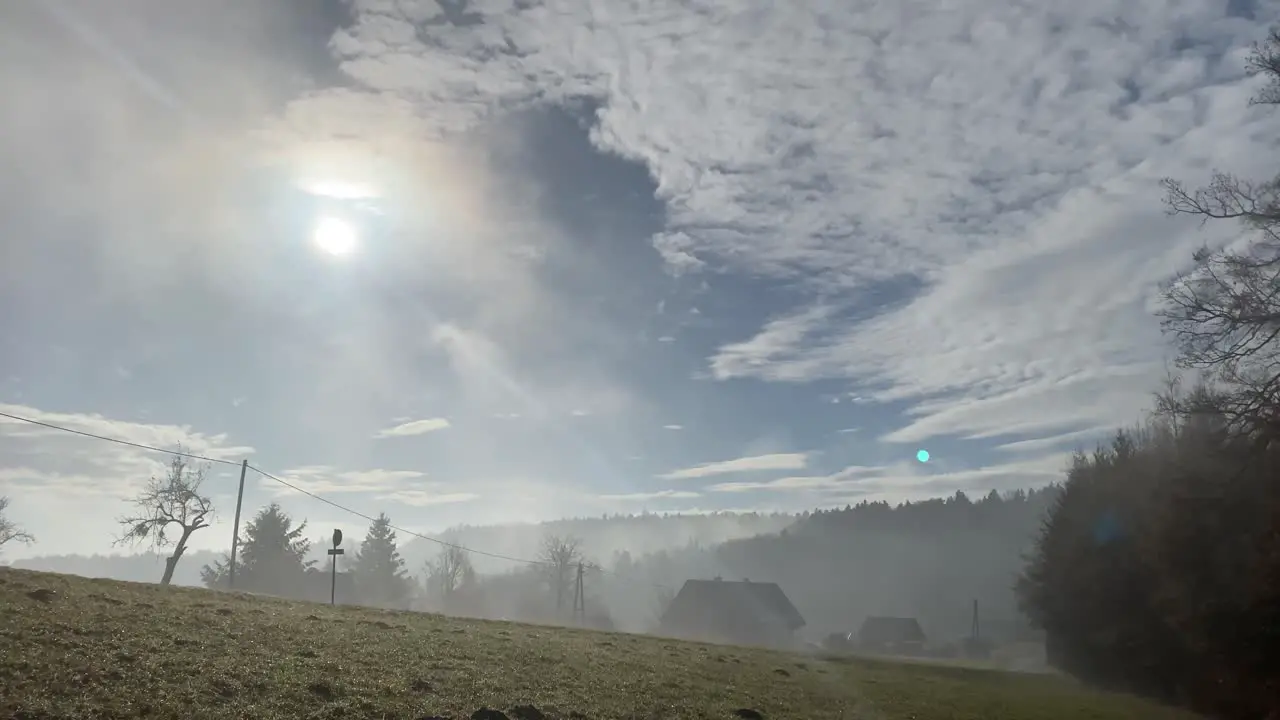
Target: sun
(335, 236)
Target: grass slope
(74, 647)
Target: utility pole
(579, 599)
(560, 572)
(235, 532)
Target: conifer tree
(379, 572)
(272, 556)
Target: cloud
(425, 498)
(414, 427)
(904, 482)
(164, 437)
(994, 154)
(1078, 438)
(913, 481)
(656, 495)
(68, 489)
(676, 251)
(323, 480)
(840, 480)
(758, 463)
(952, 213)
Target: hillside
(78, 648)
(928, 559)
(601, 537)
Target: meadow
(73, 647)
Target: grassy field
(77, 648)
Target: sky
(605, 256)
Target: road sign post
(334, 552)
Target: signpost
(334, 552)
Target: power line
(357, 513)
(118, 441)
(268, 475)
(295, 488)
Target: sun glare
(335, 236)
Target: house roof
(880, 629)
(724, 602)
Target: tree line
(1157, 570)
(927, 559)
(273, 559)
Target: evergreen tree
(272, 556)
(379, 572)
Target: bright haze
(507, 260)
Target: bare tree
(449, 571)
(173, 500)
(9, 530)
(559, 557)
(1225, 313)
(662, 598)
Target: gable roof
(880, 629)
(724, 602)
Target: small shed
(739, 613)
(901, 635)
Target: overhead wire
(444, 543)
(100, 43)
(359, 514)
(119, 441)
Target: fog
(927, 560)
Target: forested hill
(928, 559)
(140, 567)
(600, 537)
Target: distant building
(898, 635)
(739, 613)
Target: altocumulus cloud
(960, 200)
(1003, 157)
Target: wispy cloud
(1070, 440)
(323, 480)
(414, 427)
(69, 488)
(165, 437)
(656, 495)
(950, 213)
(426, 498)
(989, 154)
(840, 480)
(757, 463)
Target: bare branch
(1265, 60)
(9, 529)
(450, 571)
(173, 503)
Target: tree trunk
(171, 562)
